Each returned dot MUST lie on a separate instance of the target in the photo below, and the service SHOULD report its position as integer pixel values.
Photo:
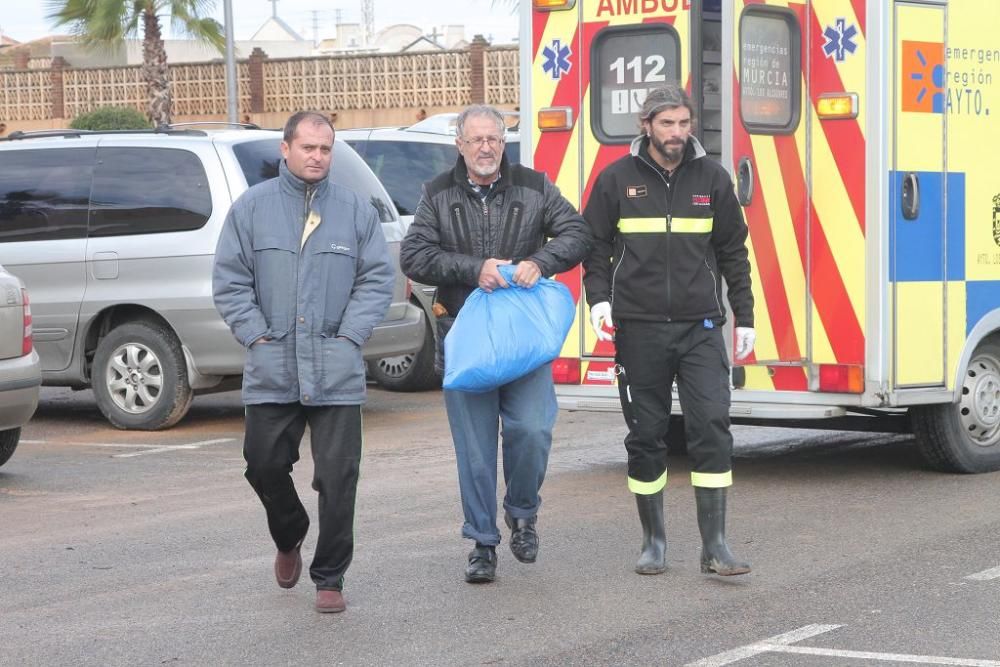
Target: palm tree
(105, 23)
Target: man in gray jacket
(483, 213)
(302, 276)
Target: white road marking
(751, 650)
(886, 657)
(146, 449)
(985, 575)
(170, 448)
(783, 644)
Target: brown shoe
(288, 566)
(330, 602)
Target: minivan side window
(43, 194)
(259, 162)
(403, 167)
(148, 191)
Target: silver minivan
(114, 235)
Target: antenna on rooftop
(368, 20)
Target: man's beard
(670, 152)
(481, 170)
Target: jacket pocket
(333, 268)
(343, 367)
(275, 278)
(266, 368)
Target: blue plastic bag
(505, 334)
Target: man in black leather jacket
(483, 213)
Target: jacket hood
(292, 184)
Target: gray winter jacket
(318, 303)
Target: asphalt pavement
(127, 548)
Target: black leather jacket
(454, 231)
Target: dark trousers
(271, 447)
(651, 355)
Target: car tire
(408, 372)
(8, 443)
(964, 437)
(139, 377)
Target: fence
(440, 79)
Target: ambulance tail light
(837, 106)
(566, 370)
(552, 5)
(842, 379)
(553, 119)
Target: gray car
(114, 235)
(20, 371)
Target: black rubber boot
(715, 554)
(653, 559)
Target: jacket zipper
(669, 198)
(715, 289)
(614, 274)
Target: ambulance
(863, 138)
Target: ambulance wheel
(964, 437)
(677, 444)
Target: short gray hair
(480, 110)
(668, 96)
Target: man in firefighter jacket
(667, 229)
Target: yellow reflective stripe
(691, 225)
(647, 488)
(642, 225)
(659, 225)
(712, 480)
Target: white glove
(745, 338)
(600, 316)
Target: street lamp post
(231, 94)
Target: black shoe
(482, 567)
(523, 538)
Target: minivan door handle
(104, 266)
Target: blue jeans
(527, 410)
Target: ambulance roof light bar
(552, 5)
(552, 119)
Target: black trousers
(271, 447)
(650, 356)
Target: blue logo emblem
(839, 40)
(556, 59)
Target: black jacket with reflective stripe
(663, 242)
(454, 231)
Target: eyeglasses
(492, 142)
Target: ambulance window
(626, 63)
(770, 70)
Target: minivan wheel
(408, 372)
(140, 378)
(8, 443)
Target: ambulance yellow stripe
(843, 233)
(783, 230)
(851, 69)
(561, 26)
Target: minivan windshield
(259, 160)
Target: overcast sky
(491, 18)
